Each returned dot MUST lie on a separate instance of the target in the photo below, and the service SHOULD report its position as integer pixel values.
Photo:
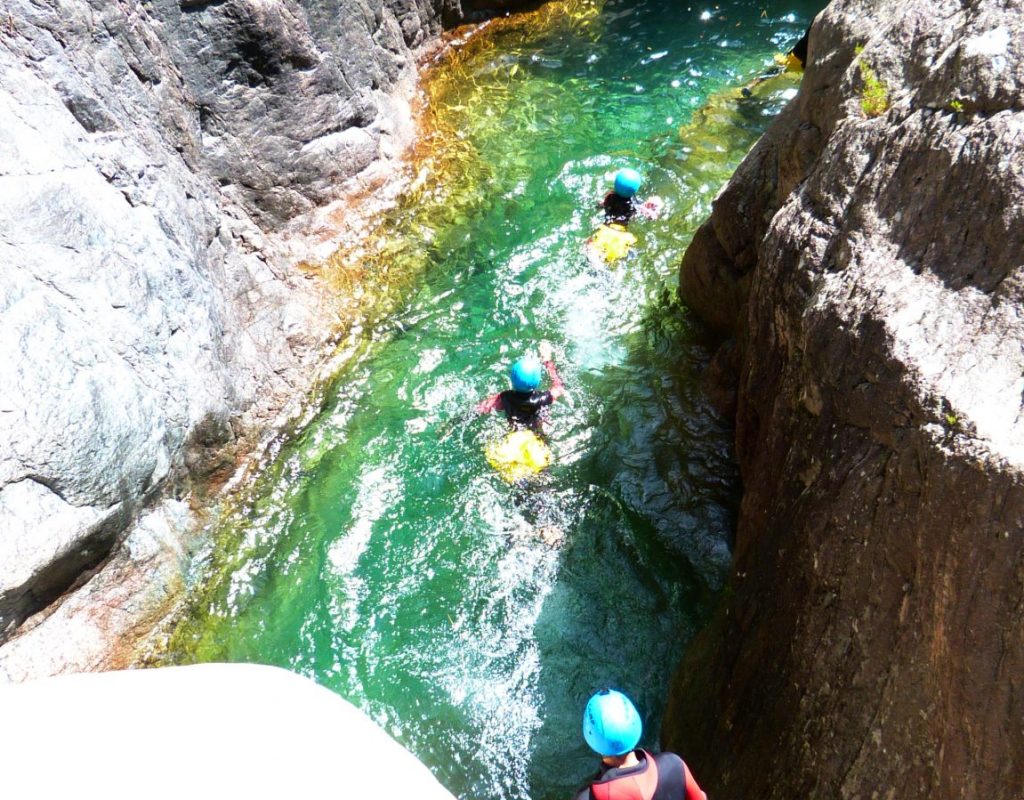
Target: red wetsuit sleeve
(557, 387)
(693, 791)
(492, 403)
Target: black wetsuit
(523, 408)
(618, 208)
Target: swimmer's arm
(557, 387)
(492, 403)
(651, 208)
(547, 358)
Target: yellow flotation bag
(518, 455)
(789, 62)
(611, 241)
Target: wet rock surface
(150, 158)
(870, 268)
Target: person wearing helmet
(612, 727)
(612, 241)
(621, 204)
(523, 403)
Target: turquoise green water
(380, 555)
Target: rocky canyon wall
(150, 156)
(867, 263)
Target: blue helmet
(627, 182)
(526, 374)
(611, 723)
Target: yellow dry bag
(611, 241)
(518, 455)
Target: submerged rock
(868, 256)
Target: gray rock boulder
(97, 627)
(117, 338)
(868, 256)
(288, 96)
(154, 159)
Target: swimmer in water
(524, 402)
(523, 453)
(611, 241)
(621, 204)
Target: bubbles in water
(430, 358)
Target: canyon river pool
(377, 552)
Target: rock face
(870, 265)
(212, 730)
(149, 156)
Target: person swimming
(619, 205)
(524, 402)
(612, 241)
(522, 454)
(793, 61)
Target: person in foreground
(524, 402)
(612, 727)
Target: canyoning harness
(660, 777)
(518, 455)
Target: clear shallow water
(379, 553)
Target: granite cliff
(155, 160)
(866, 265)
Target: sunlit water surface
(379, 553)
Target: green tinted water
(379, 553)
